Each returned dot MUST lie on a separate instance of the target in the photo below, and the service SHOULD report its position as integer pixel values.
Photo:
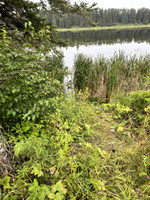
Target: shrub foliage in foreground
(30, 77)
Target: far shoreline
(115, 27)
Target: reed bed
(105, 77)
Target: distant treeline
(101, 17)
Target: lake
(105, 43)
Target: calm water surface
(105, 43)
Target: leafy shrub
(47, 153)
(29, 78)
(132, 113)
(137, 100)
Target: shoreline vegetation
(108, 78)
(93, 145)
(116, 27)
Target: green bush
(29, 78)
(137, 100)
(133, 110)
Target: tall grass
(104, 77)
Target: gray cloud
(116, 3)
(119, 3)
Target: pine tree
(146, 16)
(15, 13)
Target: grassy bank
(117, 27)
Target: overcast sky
(117, 3)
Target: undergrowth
(61, 158)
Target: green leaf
(14, 90)
(25, 25)
(35, 182)
(33, 117)
(18, 126)
(37, 170)
(51, 195)
(5, 182)
(142, 174)
(120, 129)
(29, 23)
(14, 113)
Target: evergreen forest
(101, 17)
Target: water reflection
(105, 50)
(106, 43)
(107, 36)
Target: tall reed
(104, 76)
